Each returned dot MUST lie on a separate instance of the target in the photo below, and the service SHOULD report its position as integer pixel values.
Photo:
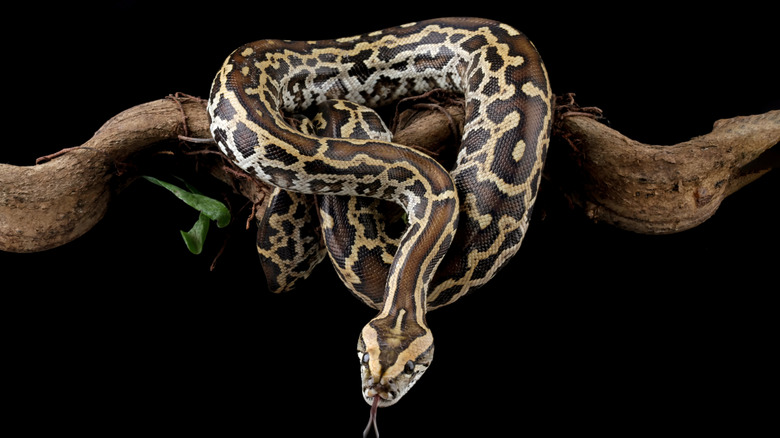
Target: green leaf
(210, 207)
(196, 236)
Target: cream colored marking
(326, 221)
(471, 206)
(396, 330)
(320, 122)
(370, 339)
(510, 30)
(519, 150)
(348, 39)
(532, 90)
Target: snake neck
(399, 337)
(396, 346)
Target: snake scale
(461, 225)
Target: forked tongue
(372, 418)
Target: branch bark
(638, 187)
(653, 189)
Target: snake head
(392, 360)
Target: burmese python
(480, 208)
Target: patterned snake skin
(461, 224)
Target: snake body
(463, 224)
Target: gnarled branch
(654, 189)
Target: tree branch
(638, 187)
(666, 189)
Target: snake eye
(409, 367)
(365, 358)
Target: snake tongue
(372, 418)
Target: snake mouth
(386, 396)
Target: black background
(589, 329)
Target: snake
(460, 225)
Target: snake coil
(464, 223)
